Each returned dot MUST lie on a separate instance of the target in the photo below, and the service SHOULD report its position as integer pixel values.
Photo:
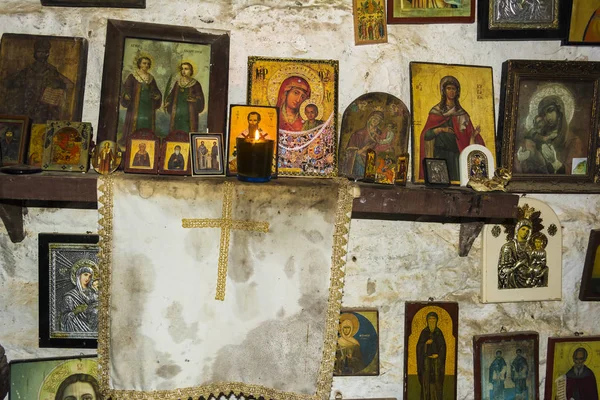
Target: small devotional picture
(506, 366)
(142, 152)
(106, 157)
(175, 154)
(357, 350)
(13, 139)
(67, 146)
(207, 154)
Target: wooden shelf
(465, 206)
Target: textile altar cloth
(162, 333)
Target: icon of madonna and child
(522, 261)
(306, 139)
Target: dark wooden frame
(586, 290)
(428, 181)
(410, 310)
(45, 301)
(81, 70)
(566, 41)
(96, 3)
(513, 71)
(146, 135)
(116, 33)
(193, 159)
(54, 127)
(23, 141)
(178, 137)
(429, 20)
(552, 341)
(35, 360)
(520, 33)
(478, 342)
(376, 311)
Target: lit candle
(254, 158)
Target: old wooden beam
(11, 213)
(468, 233)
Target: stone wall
(390, 262)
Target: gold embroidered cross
(226, 224)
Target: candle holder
(255, 159)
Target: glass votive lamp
(254, 158)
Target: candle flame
(256, 135)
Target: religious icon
(43, 77)
(207, 154)
(401, 170)
(175, 154)
(584, 27)
(430, 11)
(506, 366)
(573, 368)
(106, 157)
(526, 264)
(453, 107)
(165, 87)
(305, 93)
(385, 170)
(35, 150)
(370, 25)
(590, 279)
(370, 166)
(377, 121)
(245, 122)
(430, 360)
(55, 378)
(476, 164)
(67, 146)
(69, 285)
(436, 172)
(13, 139)
(357, 350)
(142, 152)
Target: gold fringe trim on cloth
(325, 377)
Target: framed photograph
(376, 121)
(370, 24)
(573, 368)
(67, 146)
(535, 20)
(506, 366)
(96, 3)
(142, 152)
(590, 280)
(175, 154)
(69, 285)
(42, 77)
(35, 150)
(305, 93)
(430, 11)
(452, 107)
(106, 157)
(357, 352)
(13, 139)
(183, 74)
(246, 121)
(436, 172)
(522, 261)
(430, 350)
(54, 378)
(549, 124)
(584, 23)
(207, 154)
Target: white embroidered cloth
(162, 333)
